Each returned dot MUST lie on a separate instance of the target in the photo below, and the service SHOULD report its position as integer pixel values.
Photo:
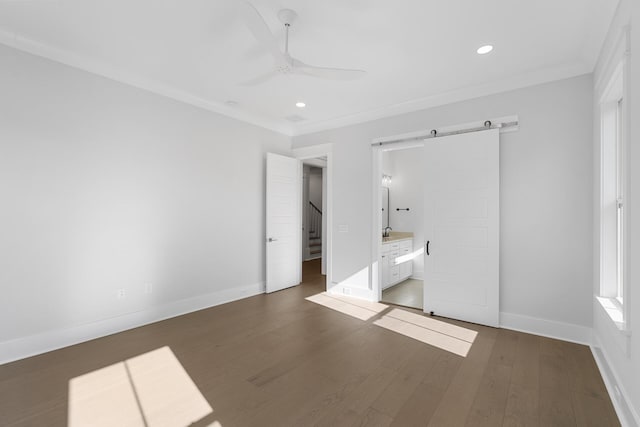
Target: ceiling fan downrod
(287, 17)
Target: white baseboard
(52, 340)
(546, 328)
(626, 413)
(353, 291)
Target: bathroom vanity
(394, 268)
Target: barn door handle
(426, 247)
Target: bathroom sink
(397, 235)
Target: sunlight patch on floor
(150, 390)
(452, 338)
(354, 307)
(103, 397)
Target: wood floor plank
(281, 360)
(444, 370)
(55, 416)
(554, 364)
(592, 411)
(583, 373)
(491, 399)
(355, 404)
(504, 350)
(526, 367)
(394, 397)
(522, 405)
(291, 397)
(556, 406)
(419, 407)
(373, 418)
(457, 401)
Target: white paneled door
(283, 240)
(461, 208)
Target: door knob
(271, 239)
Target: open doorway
(285, 251)
(313, 219)
(402, 225)
(460, 177)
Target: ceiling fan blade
(300, 67)
(260, 79)
(261, 32)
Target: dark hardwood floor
(279, 360)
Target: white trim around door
(315, 151)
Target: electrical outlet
(346, 291)
(148, 288)
(120, 293)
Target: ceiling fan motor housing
(287, 16)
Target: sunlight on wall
(359, 279)
(409, 257)
(150, 390)
(614, 311)
(360, 309)
(445, 336)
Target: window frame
(613, 286)
(621, 177)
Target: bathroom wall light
(386, 179)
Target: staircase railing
(315, 222)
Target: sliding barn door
(461, 208)
(284, 217)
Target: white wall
(315, 186)
(546, 178)
(618, 354)
(104, 186)
(312, 192)
(406, 190)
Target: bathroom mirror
(385, 207)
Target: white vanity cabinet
(393, 271)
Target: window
(612, 215)
(620, 175)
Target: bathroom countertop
(397, 235)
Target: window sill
(614, 310)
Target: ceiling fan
(284, 62)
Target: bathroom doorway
(402, 224)
(460, 174)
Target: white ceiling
(417, 53)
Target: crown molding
(524, 80)
(70, 59)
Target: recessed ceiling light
(484, 49)
(300, 104)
